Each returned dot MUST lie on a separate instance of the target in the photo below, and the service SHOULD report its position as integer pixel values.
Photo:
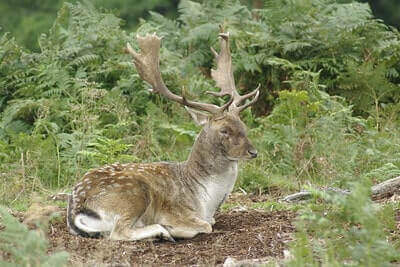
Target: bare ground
(248, 234)
(238, 234)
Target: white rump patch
(92, 225)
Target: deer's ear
(199, 117)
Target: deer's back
(118, 187)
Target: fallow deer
(169, 200)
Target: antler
(148, 66)
(223, 77)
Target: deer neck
(210, 172)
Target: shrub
(347, 231)
(23, 247)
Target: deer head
(222, 126)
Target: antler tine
(255, 93)
(224, 79)
(148, 66)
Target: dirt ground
(245, 234)
(241, 233)
(237, 234)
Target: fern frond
(84, 60)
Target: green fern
(84, 60)
(347, 232)
(26, 247)
(106, 150)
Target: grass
(268, 206)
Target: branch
(386, 188)
(379, 191)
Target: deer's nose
(252, 152)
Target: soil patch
(238, 234)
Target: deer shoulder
(169, 200)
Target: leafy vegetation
(25, 247)
(348, 232)
(327, 115)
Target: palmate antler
(148, 67)
(223, 76)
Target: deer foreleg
(188, 228)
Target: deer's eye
(224, 132)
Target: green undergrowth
(350, 230)
(327, 114)
(20, 246)
(313, 138)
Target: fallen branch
(386, 188)
(296, 197)
(379, 191)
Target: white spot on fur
(101, 193)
